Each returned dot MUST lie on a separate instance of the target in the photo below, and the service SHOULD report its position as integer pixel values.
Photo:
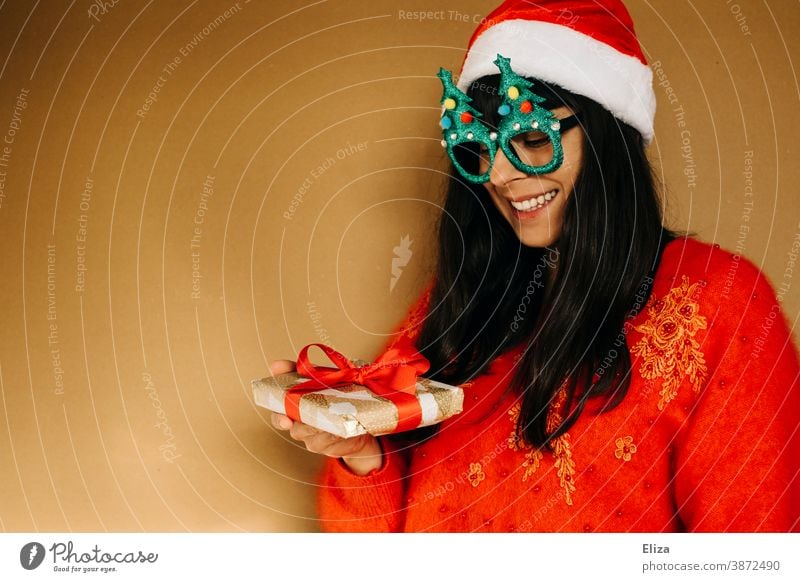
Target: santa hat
(588, 47)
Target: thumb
(282, 366)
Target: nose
(503, 171)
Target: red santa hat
(588, 47)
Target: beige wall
(125, 391)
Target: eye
(535, 139)
(537, 143)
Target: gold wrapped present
(384, 397)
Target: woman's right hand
(361, 454)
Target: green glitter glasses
(528, 134)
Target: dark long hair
(607, 254)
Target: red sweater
(706, 439)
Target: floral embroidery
(532, 456)
(531, 462)
(625, 448)
(562, 449)
(668, 346)
(514, 442)
(476, 474)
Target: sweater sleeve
(736, 455)
(375, 502)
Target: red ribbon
(392, 376)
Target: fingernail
(286, 423)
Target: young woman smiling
(614, 372)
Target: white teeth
(533, 203)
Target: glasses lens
(472, 159)
(531, 151)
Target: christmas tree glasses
(535, 130)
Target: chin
(540, 235)
(537, 228)
(538, 240)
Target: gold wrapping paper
(353, 410)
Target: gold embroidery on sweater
(562, 449)
(476, 474)
(514, 442)
(668, 346)
(532, 456)
(625, 448)
(531, 463)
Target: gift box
(357, 397)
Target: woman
(617, 375)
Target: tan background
(126, 405)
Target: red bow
(393, 376)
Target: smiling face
(534, 205)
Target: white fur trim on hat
(575, 61)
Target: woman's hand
(361, 454)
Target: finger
(282, 367)
(301, 431)
(335, 446)
(281, 421)
(345, 447)
(322, 442)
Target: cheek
(573, 158)
(567, 174)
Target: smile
(533, 203)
